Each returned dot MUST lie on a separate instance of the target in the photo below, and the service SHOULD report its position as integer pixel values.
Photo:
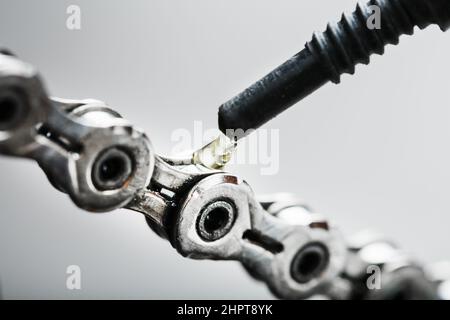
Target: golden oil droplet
(216, 154)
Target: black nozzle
(328, 55)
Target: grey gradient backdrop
(372, 152)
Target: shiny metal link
(86, 149)
(401, 277)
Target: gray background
(372, 152)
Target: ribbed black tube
(328, 55)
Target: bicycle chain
(99, 159)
